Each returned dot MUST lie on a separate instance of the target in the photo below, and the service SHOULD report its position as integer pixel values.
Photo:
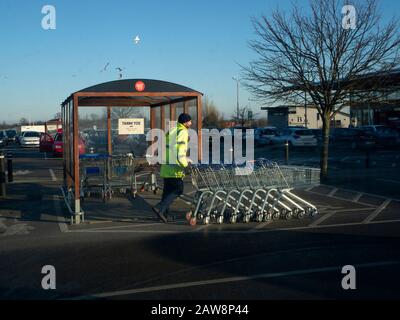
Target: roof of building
(133, 92)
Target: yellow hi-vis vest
(178, 139)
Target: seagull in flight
(105, 67)
(120, 71)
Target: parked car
(18, 138)
(351, 137)
(262, 136)
(30, 139)
(296, 138)
(2, 139)
(58, 145)
(11, 135)
(55, 144)
(318, 134)
(385, 136)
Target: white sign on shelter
(131, 126)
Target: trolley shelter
(162, 101)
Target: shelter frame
(158, 95)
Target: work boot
(160, 214)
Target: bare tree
(319, 59)
(23, 121)
(212, 117)
(245, 116)
(125, 112)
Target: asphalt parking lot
(123, 252)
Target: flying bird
(120, 71)
(105, 67)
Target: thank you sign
(131, 126)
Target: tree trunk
(325, 147)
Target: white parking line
(323, 218)
(374, 214)
(60, 218)
(126, 226)
(330, 194)
(200, 228)
(260, 226)
(364, 193)
(388, 180)
(53, 176)
(218, 231)
(357, 197)
(343, 199)
(236, 279)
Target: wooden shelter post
(172, 114)
(162, 116)
(76, 160)
(199, 127)
(66, 146)
(109, 137)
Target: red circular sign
(139, 86)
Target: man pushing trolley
(176, 160)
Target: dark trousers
(173, 188)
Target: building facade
(308, 117)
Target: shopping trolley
(120, 174)
(93, 175)
(259, 191)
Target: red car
(55, 144)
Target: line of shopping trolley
(105, 174)
(260, 191)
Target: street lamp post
(237, 95)
(305, 109)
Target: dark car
(2, 139)
(318, 134)
(386, 137)
(351, 137)
(11, 135)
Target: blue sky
(196, 43)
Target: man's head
(185, 119)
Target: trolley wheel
(220, 220)
(232, 219)
(289, 215)
(188, 215)
(313, 212)
(107, 195)
(193, 221)
(309, 211)
(300, 214)
(206, 220)
(155, 191)
(276, 216)
(200, 216)
(267, 217)
(134, 192)
(259, 217)
(246, 218)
